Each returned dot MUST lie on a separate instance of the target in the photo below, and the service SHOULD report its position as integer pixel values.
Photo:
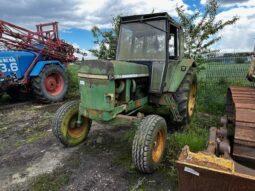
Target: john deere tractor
(148, 83)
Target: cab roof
(149, 17)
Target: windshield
(142, 41)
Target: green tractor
(148, 84)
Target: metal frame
(44, 41)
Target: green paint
(123, 120)
(107, 115)
(97, 94)
(176, 72)
(128, 90)
(111, 68)
(128, 68)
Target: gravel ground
(32, 159)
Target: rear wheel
(186, 95)
(51, 85)
(149, 143)
(65, 126)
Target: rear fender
(41, 64)
(176, 73)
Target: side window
(173, 43)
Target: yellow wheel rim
(75, 131)
(158, 146)
(192, 98)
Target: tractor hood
(104, 69)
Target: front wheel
(149, 143)
(65, 126)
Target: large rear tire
(186, 95)
(65, 127)
(51, 85)
(149, 143)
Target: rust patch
(241, 110)
(138, 103)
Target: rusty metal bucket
(204, 171)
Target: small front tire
(65, 126)
(149, 143)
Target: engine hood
(105, 69)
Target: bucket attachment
(214, 169)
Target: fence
(215, 76)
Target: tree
(106, 40)
(201, 28)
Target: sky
(77, 17)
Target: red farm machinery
(34, 62)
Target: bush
(73, 90)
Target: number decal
(14, 67)
(3, 68)
(8, 64)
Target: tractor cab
(154, 40)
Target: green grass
(195, 135)
(213, 82)
(57, 179)
(50, 182)
(73, 90)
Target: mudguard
(176, 72)
(40, 65)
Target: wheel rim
(54, 84)
(74, 130)
(192, 98)
(158, 146)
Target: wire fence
(215, 76)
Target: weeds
(51, 182)
(73, 90)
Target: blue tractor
(34, 63)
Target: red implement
(45, 41)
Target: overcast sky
(76, 17)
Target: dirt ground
(32, 159)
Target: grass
(57, 179)
(72, 71)
(213, 83)
(50, 182)
(4, 98)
